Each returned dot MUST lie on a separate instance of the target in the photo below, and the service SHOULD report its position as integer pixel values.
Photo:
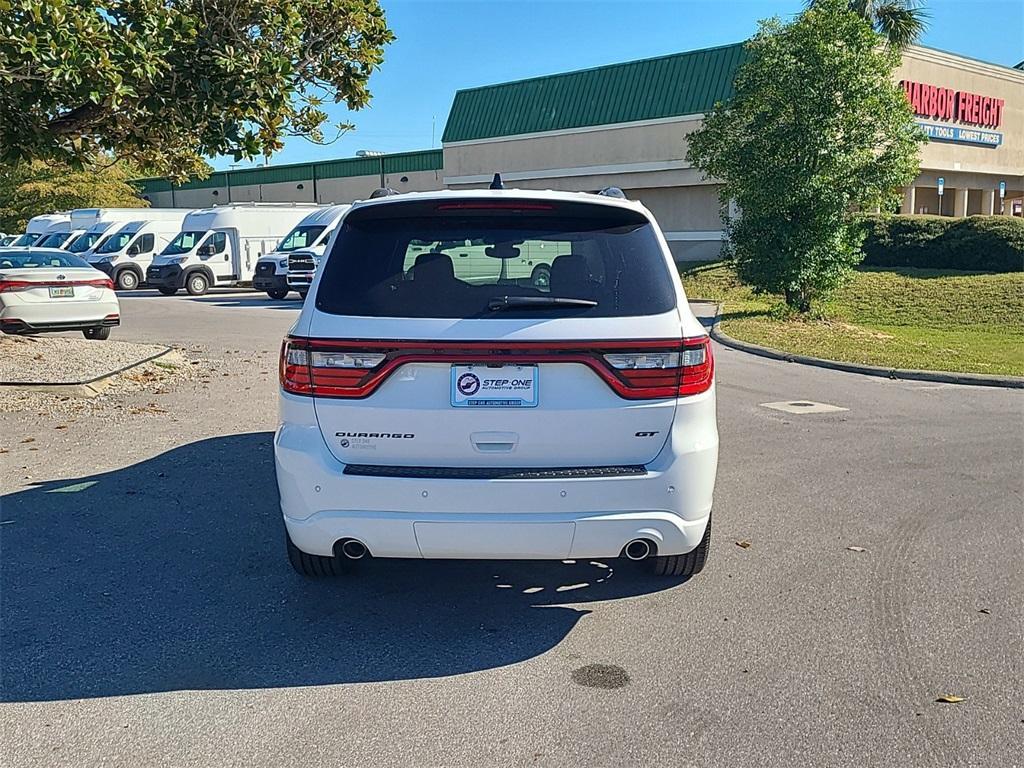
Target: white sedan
(46, 290)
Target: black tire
(541, 276)
(197, 283)
(167, 290)
(312, 566)
(97, 332)
(278, 293)
(127, 280)
(689, 564)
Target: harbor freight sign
(961, 135)
(938, 103)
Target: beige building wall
(161, 199)
(347, 189)
(652, 144)
(645, 159)
(971, 173)
(200, 198)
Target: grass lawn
(901, 318)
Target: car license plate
(61, 291)
(505, 386)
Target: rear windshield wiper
(500, 303)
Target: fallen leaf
(743, 544)
(857, 549)
(61, 426)
(986, 611)
(948, 698)
(29, 440)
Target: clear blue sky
(443, 46)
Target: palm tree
(901, 22)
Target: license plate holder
(62, 291)
(484, 386)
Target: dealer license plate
(61, 291)
(506, 386)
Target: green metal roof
(400, 162)
(667, 86)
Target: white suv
(497, 374)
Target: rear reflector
(635, 370)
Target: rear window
(27, 260)
(479, 259)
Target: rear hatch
(45, 285)
(493, 333)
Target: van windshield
(116, 242)
(54, 240)
(301, 237)
(183, 243)
(84, 242)
(476, 259)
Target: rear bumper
(416, 517)
(18, 326)
(48, 318)
(494, 536)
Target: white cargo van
(94, 222)
(309, 237)
(220, 246)
(127, 253)
(40, 226)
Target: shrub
(976, 243)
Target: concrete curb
(942, 377)
(89, 387)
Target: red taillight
(494, 205)
(635, 370)
(7, 286)
(698, 369)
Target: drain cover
(803, 406)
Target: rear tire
(166, 290)
(97, 333)
(541, 276)
(312, 566)
(277, 294)
(127, 280)
(197, 284)
(689, 564)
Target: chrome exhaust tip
(637, 549)
(353, 549)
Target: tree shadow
(170, 574)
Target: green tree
(816, 130)
(900, 22)
(164, 82)
(30, 189)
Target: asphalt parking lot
(149, 615)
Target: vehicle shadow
(223, 297)
(170, 574)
